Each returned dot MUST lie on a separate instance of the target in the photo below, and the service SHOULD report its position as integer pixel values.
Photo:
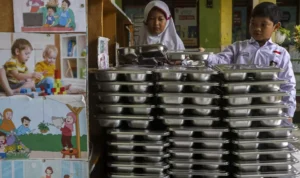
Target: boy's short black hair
(267, 9)
(51, 7)
(67, 1)
(25, 118)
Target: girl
(67, 129)
(49, 172)
(6, 124)
(159, 27)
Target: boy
(50, 19)
(260, 50)
(24, 128)
(16, 70)
(47, 67)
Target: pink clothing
(65, 131)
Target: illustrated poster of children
(67, 129)
(48, 172)
(24, 128)
(6, 124)
(66, 15)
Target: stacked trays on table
(187, 108)
(126, 108)
(255, 111)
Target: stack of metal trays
(188, 109)
(126, 108)
(254, 109)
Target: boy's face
(50, 58)
(50, 12)
(156, 22)
(23, 55)
(64, 5)
(2, 139)
(26, 123)
(262, 28)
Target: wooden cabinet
(106, 19)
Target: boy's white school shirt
(249, 52)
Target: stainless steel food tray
(143, 109)
(240, 71)
(188, 153)
(197, 87)
(132, 175)
(146, 156)
(189, 163)
(276, 143)
(246, 99)
(147, 167)
(190, 173)
(130, 134)
(134, 121)
(146, 145)
(179, 98)
(139, 87)
(245, 87)
(265, 132)
(205, 132)
(209, 143)
(261, 109)
(136, 98)
(177, 120)
(180, 109)
(132, 74)
(272, 154)
(272, 174)
(246, 121)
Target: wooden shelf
(106, 19)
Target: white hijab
(168, 37)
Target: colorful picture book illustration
(50, 15)
(43, 64)
(46, 127)
(43, 169)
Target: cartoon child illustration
(2, 145)
(67, 129)
(50, 19)
(35, 4)
(44, 9)
(24, 128)
(66, 15)
(6, 124)
(49, 172)
(67, 176)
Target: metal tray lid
(124, 83)
(188, 95)
(172, 69)
(247, 68)
(198, 151)
(140, 154)
(133, 175)
(198, 162)
(265, 151)
(262, 129)
(198, 140)
(189, 83)
(126, 105)
(215, 173)
(268, 140)
(125, 70)
(254, 83)
(124, 117)
(258, 106)
(187, 106)
(138, 143)
(137, 132)
(291, 161)
(257, 118)
(124, 94)
(256, 95)
(199, 129)
(274, 174)
(138, 165)
(189, 117)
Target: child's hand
(201, 49)
(37, 75)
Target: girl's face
(50, 58)
(48, 171)
(9, 115)
(156, 22)
(69, 120)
